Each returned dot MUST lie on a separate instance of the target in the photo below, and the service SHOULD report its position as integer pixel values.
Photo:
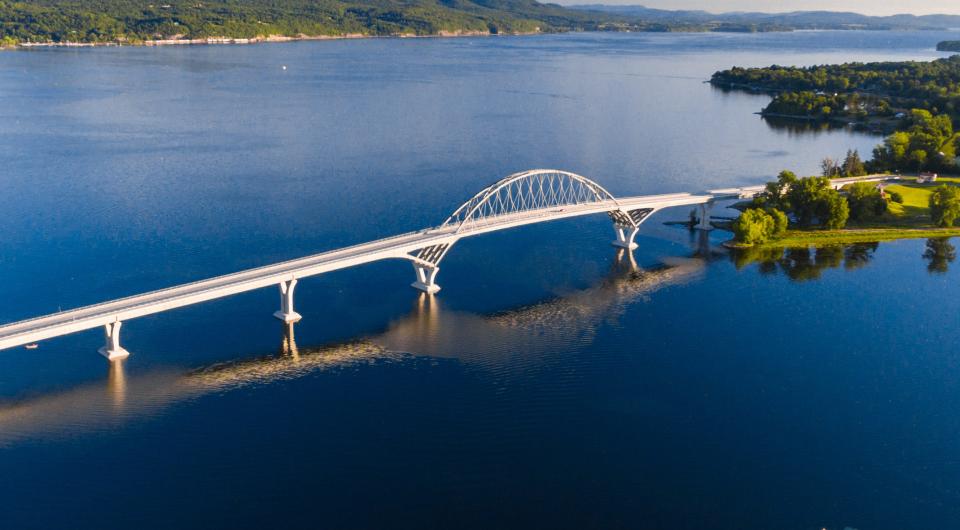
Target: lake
(553, 383)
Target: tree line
(134, 21)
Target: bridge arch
(534, 189)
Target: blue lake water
(552, 383)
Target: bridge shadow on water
(508, 341)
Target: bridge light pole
(286, 312)
(112, 349)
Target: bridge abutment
(426, 278)
(286, 312)
(112, 349)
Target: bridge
(523, 198)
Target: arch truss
(527, 191)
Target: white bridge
(523, 198)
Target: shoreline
(262, 39)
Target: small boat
(32, 346)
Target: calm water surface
(553, 383)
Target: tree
(865, 201)
(829, 167)
(754, 226)
(775, 193)
(852, 165)
(837, 211)
(813, 199)
(945, 205)
(918, 157)
(780, 221)
(893, 152)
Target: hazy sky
(869, 7)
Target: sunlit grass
(801, 238)
(916, 197)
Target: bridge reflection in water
(527, 336)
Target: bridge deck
(401, 246)
(62, 323)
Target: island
(949, 46)
(876, 96)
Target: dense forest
(920, 99)
(134, 21)
(933, 85)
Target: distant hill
(135, 21)
(794, 20)
(153, 21)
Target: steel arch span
(535, 189)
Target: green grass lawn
(801, 238)
(916, 206)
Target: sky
(868, 7)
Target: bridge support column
(426, 276)
(112, 349)
(704, 223)
(625, 235)
(286, 312)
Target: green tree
(918, 157)
(754, 226)
(780, 221)
(945, 205)
(865, 201)
(813, 199)
(837, 211)
(852, 165)
(774, 194)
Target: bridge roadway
(111, 313)
(524, 198)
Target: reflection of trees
(801, 126)
(766, 257)
(940, 253)
(805, 263)
(858, 255)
